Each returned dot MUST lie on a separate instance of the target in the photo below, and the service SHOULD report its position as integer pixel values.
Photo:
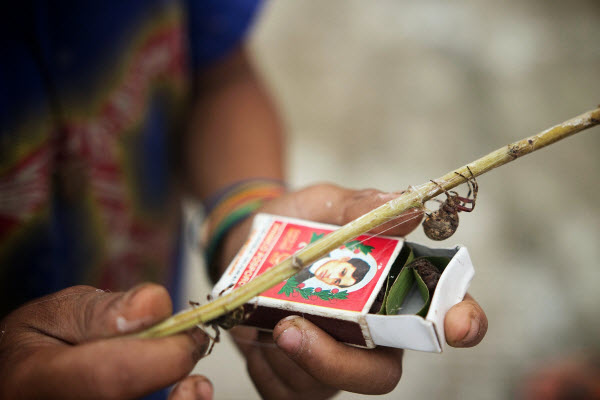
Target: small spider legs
(442, 224)
(227, 321)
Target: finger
(288, 375)
(465, 324)
(112, 369)
(263, 375)
(287, 371)
(274, 373)
(83, 313)
(276, 376)
(194, 387)
(362, 201)
(336, 205)
(244, 337)
(375, 371)
(266, 381)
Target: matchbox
(364, 293)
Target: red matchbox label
(348, 278)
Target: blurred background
(388, 94)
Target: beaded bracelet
(233, 205)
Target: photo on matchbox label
(348, 278)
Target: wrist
(227, 210)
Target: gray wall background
(387, 94)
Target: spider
(227, 321)
(442, 224)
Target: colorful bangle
(233, 205)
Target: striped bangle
(231, 206)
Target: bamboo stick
(415, 197)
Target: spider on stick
(442, 224)
(227, 321)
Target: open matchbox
(341, 303)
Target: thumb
(333, 204)
(83, 313)
(106, 315)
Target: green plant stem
(415, 197)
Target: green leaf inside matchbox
(404, 277)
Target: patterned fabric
(90, 101)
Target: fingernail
(204, 390)
(201, 343)
(283, 322)
(290, 318)
(290, 340)
(471, 333)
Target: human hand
(69, 345)
(299, 359)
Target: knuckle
(360, 201)
(95, 308)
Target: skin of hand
(299, 359)
(235, 134)
(70, 345)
